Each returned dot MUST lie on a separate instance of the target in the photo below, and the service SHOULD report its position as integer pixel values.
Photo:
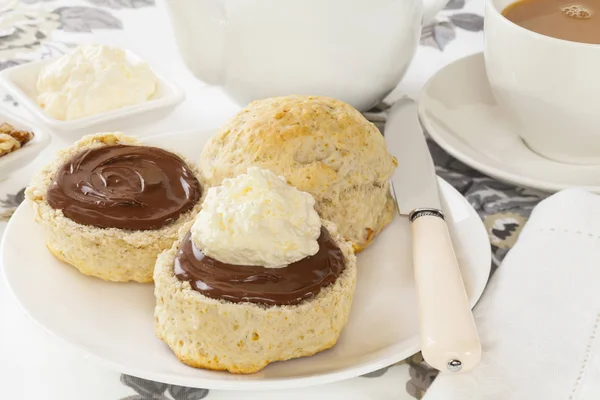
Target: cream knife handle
(449, 339)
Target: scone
(321, 146)
(109, 205)
(257, 278)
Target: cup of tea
(542, 59)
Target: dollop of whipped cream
(92, 80)
(257, 219)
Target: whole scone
(244, 337)
(110, 254)
(321, 146)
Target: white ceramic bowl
(21, 82)
(19, 158)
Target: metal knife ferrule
(422, 212)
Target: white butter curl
(92, 80)
(257, 219)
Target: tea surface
(577, 21)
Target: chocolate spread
(289, 285)
(125, 187)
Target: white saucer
(113, 322)
(459, 112)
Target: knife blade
(449, 339)
(415, 172)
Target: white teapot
(354, 50)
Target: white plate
(114, 322)
(21, 82)
(459, 112)
(23, 156)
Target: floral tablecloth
(35, 366)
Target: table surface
(34, 365)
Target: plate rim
(440, 135)
(398, 352)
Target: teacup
(356, 51)
(549, 88)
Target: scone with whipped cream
(258, 277)
(91, 80)
(321, 146)
(110, 205)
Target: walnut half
(8, 144)
(12, 139)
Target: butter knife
(449, 339)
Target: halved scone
(258, 277)
(244, 337)
(110, 205)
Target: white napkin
(539, 319)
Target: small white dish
(113, 322)
(11, 162)
(459, 112)
(21, 82)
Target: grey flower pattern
(150, 390)
(118, 4)
(455, 5)
(35, 1)
(505, 227)
(442, 31)
(9, 100)
(86, 19)
(11, 63)
(13, 200)
(22, 30)
(26, 31)
(467, 21)
(421, 377)
(438, 34)
(9, 204)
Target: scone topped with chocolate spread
(321, 146)
(257, 278)
(110, 205)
